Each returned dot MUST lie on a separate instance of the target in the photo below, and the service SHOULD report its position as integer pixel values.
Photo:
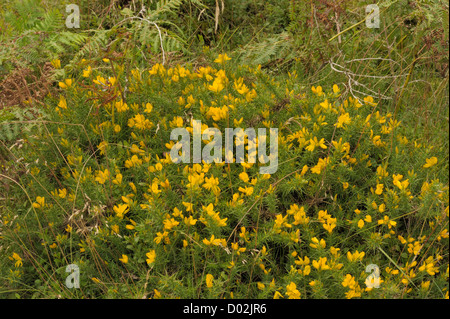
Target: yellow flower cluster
(349, 185)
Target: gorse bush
(92, 184)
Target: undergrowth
(361, 185)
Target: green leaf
(127, 12)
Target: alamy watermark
(212, 151)
(73, 19)
(373, 280)
(73, 280)
(373, 18)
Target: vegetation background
(281, 48)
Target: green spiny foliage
(35, 35)
(359, 181)
(16, 121)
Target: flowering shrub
(353, 188)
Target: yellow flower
(379, 189)
(317, 243)
(157, 68)
(217, 113)
(212, 184)
(112, 80)
(160, 236)
(170, 223)
(360, 223)
(151, 256)
(244, 177)
(177, 212)
(121, 210)
(322, 163)
(87, 72)
(221, 222)
(102, 177)
(148, 108)
(209, 280)
(40, 202)
(217, 85)
(277, 295)
(340, 146)
(387, 221)
(349, 281)
(335, 251)
(238, 122)
(240, 87)
(102, 147)
(62, 193)
(318, 91)
(355, 289)
(313, 143)
(321, 264)
(250, 95)
(381, 172)
(124, 259)
(121, 106)
(134, 161)
(239, 250)
(34, 170)
(430, 162)
(140, 122)
(157, 294)
(62, 102)
(355, 256)
(212, 241)
(223, 58)
(176, 122)
(343, 119)
(56, 63)
(65, 84)
(369, 100)
(100, 80)
(136, 150)
(244, 234)
(336, 89)
(429, 266)
(292, 292)
(425, 285)
(188, 206)
(247, 190)
(330, 225)
(299, 214)
(115, 229)
(118, 179)
(190, 221)
(377, 141)
(18, 260)
(397, 181)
